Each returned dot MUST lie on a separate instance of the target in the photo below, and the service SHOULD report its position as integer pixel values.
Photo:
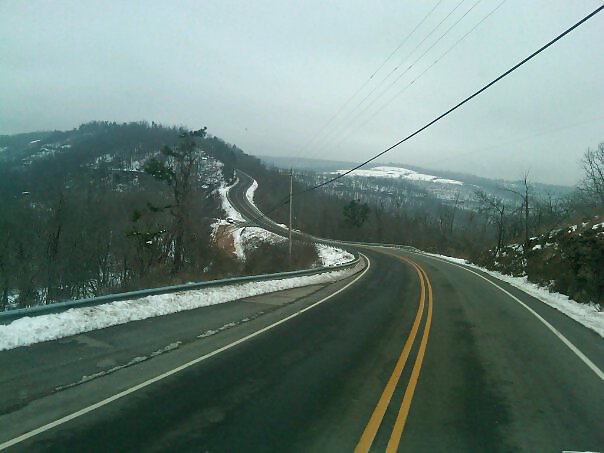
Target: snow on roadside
(332, 256)
(249, 238)
(229, 210)
(29, 330)
(589, 315)
(249, 193)
(253, 237)
(227, 207)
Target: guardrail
(58, 307)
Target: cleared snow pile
(332, 256)
(249, 193)
(589, 315)
(250, 238)
(30, 330)
(232, 215)
(227, 207)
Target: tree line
(116, 207)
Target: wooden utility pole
(291, 187)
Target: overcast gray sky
(268, 75)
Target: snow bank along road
(415, 354)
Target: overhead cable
(464, 101)
(379, 96)
(344, 121)
(367, 81)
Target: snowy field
(402, 173)
(29, 330)
(589, 315)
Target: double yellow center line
(377, 416)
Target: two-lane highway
(415, 354)
(311, 382)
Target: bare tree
(52, 248)
(178, 172)
(593, 181)
(494, 208)
(525, 198)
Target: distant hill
(499, 187)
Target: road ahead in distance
(416, 354)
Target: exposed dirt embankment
(223, 239)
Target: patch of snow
(209, 333)
(598, 225)
(250, 238)
(238, 244)
(332, 256)
(249, 193)
(590, 315)
(134, 361)
(253, 237)
(105, 158)
(34, 141)
(399, 172)
(572, 229)
(29, 330)
(227, 207)
(537, 247)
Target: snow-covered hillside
(399, 172)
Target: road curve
(418, 355)
(510, 372)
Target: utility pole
(291, 186)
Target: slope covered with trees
(87, 211)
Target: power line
(444, 54)
(360, 114)
(466, 100)
(345, 104)
(339, 129)
(550, 131)
(389, 101)
(452, 109)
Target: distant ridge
(494, 185)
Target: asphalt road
(415, 357)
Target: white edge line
(162, 376)
(555, 331)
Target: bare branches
(593, 181)
(494, 208)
